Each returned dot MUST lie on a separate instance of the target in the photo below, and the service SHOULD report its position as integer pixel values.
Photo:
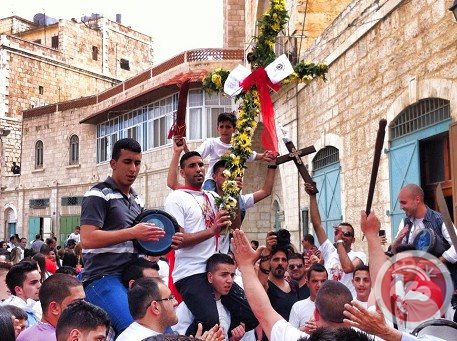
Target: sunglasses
(346, 234)
(293, 266)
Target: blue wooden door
(34, 228)
(329, 197)
(404, 169)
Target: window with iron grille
(39, 154)
(420, 115)
(72, 201)
(325, 157)
(74, 150)
(38, 203)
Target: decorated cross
(255, 100)
(296, 155)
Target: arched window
(74, 150)
(39, 154)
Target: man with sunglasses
(339, 258)
(297, 272)
(152, 307)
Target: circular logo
(280, 67)
(413, 287)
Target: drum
(163, 220)
(425, 240)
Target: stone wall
(383, 57)
(13, 25)
(234, 27)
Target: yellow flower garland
(269, 26)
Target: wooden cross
(296, 155)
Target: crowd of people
(215, 285)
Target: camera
(283, 238)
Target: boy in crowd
(23, 281)
(220, 271)
(215, 148)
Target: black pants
(199, 297)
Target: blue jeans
(109, 294)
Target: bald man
(420, 216)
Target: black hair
(227, 117)
(134, 270)
(16, 276)
(330, 301)
(348, 225)
(296, 255)
(187, 156)
(127, 144)
(56, 288)
(141, 294)
(6, 325)
(67, 270)
(219, 164)
(317, 268)
(39, 258)
(216, 259)
(286, 249)
(80, 315)
(340, 334)
(17, 312)
(255, 242)
(361, 267)
(309, 238)
(69, 259)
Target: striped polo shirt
(109, 209)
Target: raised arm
(314, 213)
(370, 227)
(267, 187)
(255, 293)
(347, 265)
(172, 176)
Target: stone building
(387, 59)
(66, 145)
(49, 61)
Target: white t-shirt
(74, 236)
(215, 148)
(185, 318)
(136, 332)
(284, 331)
(418, 224)
(164, 270)
(187, 207)
(333, 265)
(301, 312)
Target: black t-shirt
(282, 301)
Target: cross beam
(295, 155)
